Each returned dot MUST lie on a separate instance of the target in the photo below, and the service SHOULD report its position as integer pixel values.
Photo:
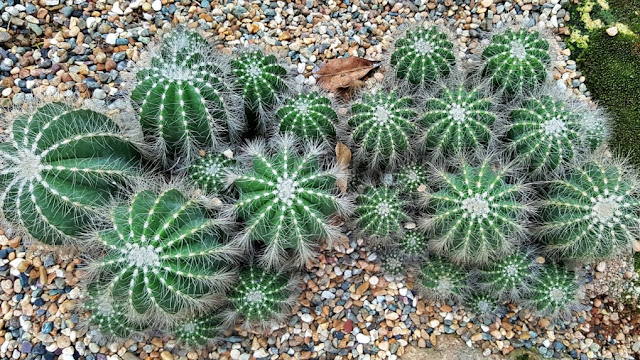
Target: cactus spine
(509, 278)
(198, 331)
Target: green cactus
(262, 297)
(382, 127)
(517, 61)
(413, 243)
(594, 128)
(411, 177)
(198, 331)
(457, 120)
(554, 291)
(441, 279)
(110, 316)
(181, 44)
(393, 263)
(164, 256)
(379, 211)
(309, 116)
(423, 56)
(482, 304)
(286, 199)
(477, 215)
(209, 171)
(509, 278)
(592, 213)
(59, 167)
(545, 135)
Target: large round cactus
(554, 291)
(309, 116)
(509, 278)
(59, 167)
(592, 213)
(423, 56)
(379, 211)
(517, 61)
(441, 279)
(383, 124)
(476, 215)
(164, 256)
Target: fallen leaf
(344, 73)
(343, 159)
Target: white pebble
(156, 5)
(328, 295)
(363, 339)
(374, 280)
(306, 318)
(111, 38)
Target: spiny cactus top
(262, 296)
(379, 211)
(197, 331)
(482, 304)
(393, 264)
(179, 45)
(309, 116)
(509, 277)
(383, 124)
(594, 128)
(423, 56)
(209, 172)
(476, 215)
(163, 255)
(441, 279)
(592, 213)
(554, 290)
(411, 177)
(59, 165)
(456, 120)
(413, 243)
(286, 199)
(544, 134)
(517, 61)
(110, 316)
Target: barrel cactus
(198, 331)
(457, 120)
(286, 198)
(411, 178)
(59, 167)
(164, 256)
(423, 56)
(509, 278)
(592, 213)
(477, 214)
(382, 124)
(517, 61)
(209, 172)
(482, 304)
(393, 263)
(309, 116)
(413, 243)
(379, 211)
(179, 45)
(441, 279)
(595, 129)
(110, 317)
(554, 291)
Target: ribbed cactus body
(198, 331)
(592, 213)
(382, 127)
(476, 215)
(110, 317)
(457, 120)
(482, 304)
(179, 45)
(442, 279)
(595, 129)
(163, 256)
(60, 165)
(411, 177)
(517, 61)
(379, 211)
(554, 290)
(413, 243)
(210, 172)
(308, 116)
(423, 56)
(260, 78)
(509, 277)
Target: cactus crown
(413, 242)
(423, 56)
(308, 116)
(517, 61)
(180, 45)
(383, 124)
(411, 177)
(442, 279)
(482, 304)
(392, 263)
(59, 166)
(379, 211)
(510, 277)
(197, 331)
(554, 290)
(110, 316)
(209, 172)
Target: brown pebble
(109, 65)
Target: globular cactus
(509, 278)
(59, 167)
(393, 263)
(517, 61)
(476, 215)
(411, 177)
(554, 291)
(382, 124)
(592, 213)
(482, 304)
(286, 198)
(308, 116)
(379, 211)
(441, 279)
(545, 135)
(110, 317)
(198, 331)
(209, 172)
(181, 44)
(423, 56)
(595, 128)
(262, 297)
(164, 258)
(413, 243)
(457, 120)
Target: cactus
(545, 135)
(181, 44)
(261, 297)
(209, 171)
(164, 256)
(59, 167)
(592, 213)
(441, 279)
(110, 317)
(554, 291)
(457, 120)
(509, 278)
(392, 263)
(383, 124)
(517, 61)
(423, 56)
(413, 243)
(482, 304)
(286, 199)
(477, 215)
(411, 177)
(594, 128)
(379, 211)
(198, 331)
(309, 116)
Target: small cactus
(59, 167)
(554, 291)
(198, 331)
(110, 317)
(382, 126)
(413, 243)
(544, 134)
(379, 211)
(209, 171)
(482, 304)
(393, 264)
(441, 279)
(308, 116)
(457, 120)
(179, 45)
(594, 128)
(423, 56)
(286, 199)
(517, 61)
(592, 213)
(476, 216)
(509, 278)
(411, 177)
(261, 297)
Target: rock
(544, 323)
(130, 356)
(156, 5)
(306, 318)
(328, 295)
(4, 37)
(165, 355)
(602, 266)
(111, 38)
(99, 94)
(51, 2)
(612, 31)
(363, 339)
(486, 3)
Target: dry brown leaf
(344, 73)
(343, 159)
